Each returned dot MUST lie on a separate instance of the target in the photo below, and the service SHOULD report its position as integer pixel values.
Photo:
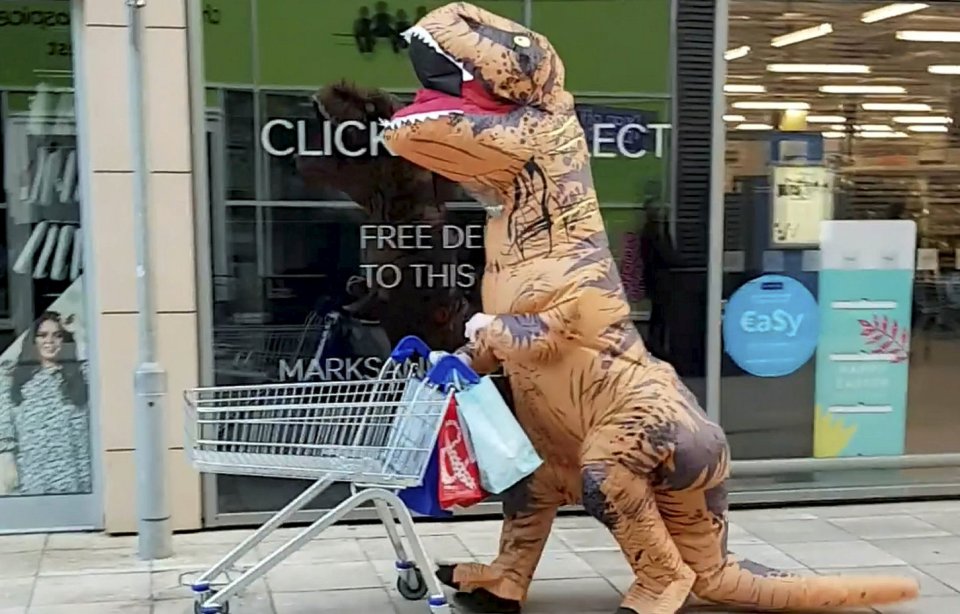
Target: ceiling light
(837, 127)
(929, 36)
(921, 119)
(772, 106)
(883, 135)
(738, 88)
(826, 119)
(802, 35)
(734, 118)
(847, 69)
(862, 89)
(874, 128)
(754, 127)
(833, 135)
(896, 106)
(944, 69)
(736, 53)
(928, 128)
(892, 10)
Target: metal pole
(718, 171)
(150, 379)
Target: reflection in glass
(305, 285)
(44, 411)
(240, 145)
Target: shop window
(853, 122)
(305, 267)
(45, 414)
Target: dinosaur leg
(502, 585)
(697, 521)
(622, 499)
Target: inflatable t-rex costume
(617, 428)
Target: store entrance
(841, 310)
(325, 249)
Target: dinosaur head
(490, 89)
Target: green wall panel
(35, 44)
(609, 45)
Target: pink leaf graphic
(891, 337)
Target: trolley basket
(378, 435)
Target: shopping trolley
(257, 351)
(378, 435)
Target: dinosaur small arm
(617, 428)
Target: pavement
(350, 568)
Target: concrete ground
(350, 568)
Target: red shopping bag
(459, 483)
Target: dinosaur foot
(625, 611)
(480, 600)
(445, 575)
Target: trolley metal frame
(331, 437)
(255, 351)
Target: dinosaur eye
(521, 41)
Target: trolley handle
(409, 347)
(449, 370)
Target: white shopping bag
(503, 451)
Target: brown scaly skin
(619, 431)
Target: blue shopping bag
(424, 499)
(503, 451)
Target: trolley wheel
(223, 608)
(415, 591)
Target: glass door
(48, 477)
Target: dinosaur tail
(745, 583)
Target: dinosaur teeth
(416, 118)
(426, 38)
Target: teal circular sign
(771, 325)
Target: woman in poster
(44, 416)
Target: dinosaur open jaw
(448, 87)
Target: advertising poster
(770, 326)
(44, 409)
(866, 288)
(802, 197)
